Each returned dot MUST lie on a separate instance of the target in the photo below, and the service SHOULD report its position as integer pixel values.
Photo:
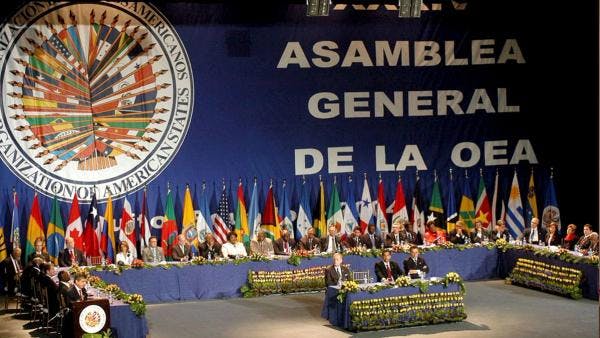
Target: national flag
(514, 216)
(482, 208)
(203, 222)
(334, 213)
(75, 227)
(127, 231)
(269, 216)
(222, 221)
(188, 217)
(319, 220)
(144, 223)
(285, 213)
(253, 214)
(91, 246)
(381, 219)
(304, 221)
(241, 217)
(349, 210)
(107, 241)
(35, 228)
(452, 212)
(436, 207)
(400, 213)
(15, 233)
(169, 228)
(495, 201)
(365, 208)
(532, 209)
(551, 211)
(56, 232)
(466, 211)
(3, 252)
(418, 210)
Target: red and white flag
(127, 231)
(75, 227)
(382, 222)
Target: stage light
(317, 7)
(409, 8)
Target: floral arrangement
(93, 279)
(347, 286)
(137, 264)
(112, 288)
(403, 281)
(547, 277)
(198, 260)
(410, 310)
(135, 301)
(258, 257)
(297, 256)
(79, 271)
(282, 282)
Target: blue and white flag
(514, 216)
(304, 221)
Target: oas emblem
(92, 319)
(92, 94)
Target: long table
(124, 323)
(159, 285)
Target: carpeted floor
(494, 310)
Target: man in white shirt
(261, 245)
(233, 249)
(331, 243)
(534, 234)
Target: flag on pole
(304, 221)
(269, 216)
(253, 214)
(350, 212)
(514, 218)
(222, 221)
(56, 232)
(365, 208)
(3, 252)
(285, 212)
(452, 212)
(203, 222)
(188, 218)
(381, 220)
(418, 210)
(319, 220)
(532, 209)
(169, 228)
(400, 212)
(241, 216)
(494, 206)
(35, 228)
(127, 228)
(436, 206)
(551, 211)
(74, 226)
(107, 243)
(482, 208)
(144, 222)
(466, 211)
(91, 247)
(15, 236)
(334, 213)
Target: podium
(90, 316)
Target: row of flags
(96, 236)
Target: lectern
(90, 316)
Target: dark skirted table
(159, 285)
(393, 307)
(589, 282)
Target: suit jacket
(367, 239)
(476, 239)
(9, 274)
(73, 295)
(409, 264)
(527, 232)
(555, 239)
(569, 245)
(586, 242)
(278, 246)
(494, 235)
(64, 258)
(44, 255)
(215, 251)
(52, 291)
(178, 254)
(31, 271)
(148, 258)
(325, 244)
(332, 277)
(264, 248)
(381, 271)
(456, 239)
(355, 242)
(304, 243)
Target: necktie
(333, 244)
(397, 239)
(356, 239)
(389, 271)
(372, 240)
(153, 254)
(72, 256)
(80, 294)
(339, 272)
(286, 247)
(533, 235)
(310, 244)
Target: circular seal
(93, 95)
(92, 319)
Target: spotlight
(317, 7)
(409, 8)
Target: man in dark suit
(64, 279)
(310, 242)
(182, 251)
(285, 244)
(500, 232)
(77, 292)
(459, 235)
(210, 249)
(414, 263)
(356, 239)
(31, 271)
(534, 234)
(337, 273)
(39, 251)
(331, 243)
(371, 238)
(387, 270)
(47, 272)
(70, 256)
(11, 270)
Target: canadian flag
(75, 227)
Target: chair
(17, 297)
(95, 260)
(62, 313)
(361, 277)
